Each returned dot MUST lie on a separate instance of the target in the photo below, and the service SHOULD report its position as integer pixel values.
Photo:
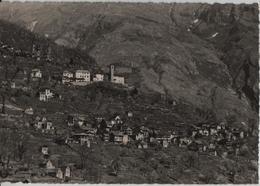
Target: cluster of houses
(36, 53)
(215, 139)
(219, 139)
(86, 137)
(44, 125)
(52, 168)
(79, 78)
(17, 52)
(83, 77)
(47, 94)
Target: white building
(46, 95)
(116, 79)
(125, 139)
(82, 76)
(67, 77)
(98, 77)
(165, 143)
(67, 172)
(13, 85)
(49, 165)
(59, 174)
(45, 150)
(36, 73)
(29, 111)
(49, 125)
(85, 140)
(130, 114)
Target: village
(85, 130)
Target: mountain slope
(235, 31)
(20, 39)
(152, 46)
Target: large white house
(82, 76)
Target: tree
(114, 167)
(90, 159)
(21, 149)
(6, 151)
(189, 159)
(5, 85)
(134, 92)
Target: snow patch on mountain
(214, 35)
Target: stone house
(130, 114)
(212, 146)
(36, 74)
(81, 121)
(213, 131)
(201, 131)
(242, 134)
(118, 137)
(116, 79)
(105, 137)
(29, 111)
(125, 139)
(46, 95)
(85, 140)
(165, 143)
(142, 145)
(59, 173)
(140, 136)
(98, 78)
(185, 141)
(206, 132)
(194, 132)
(49, 125)
(13, 85)
(70, 121)
(45, 150)
(50, 165)
(118, 120)
(128, 131)
(152, 140)
(67, 172)
(70, 140)
(67, 77)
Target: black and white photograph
(129, 92)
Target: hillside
(162, 45)
(22, 40)
(187, 113)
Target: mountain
(236, 35)
(203, 54)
